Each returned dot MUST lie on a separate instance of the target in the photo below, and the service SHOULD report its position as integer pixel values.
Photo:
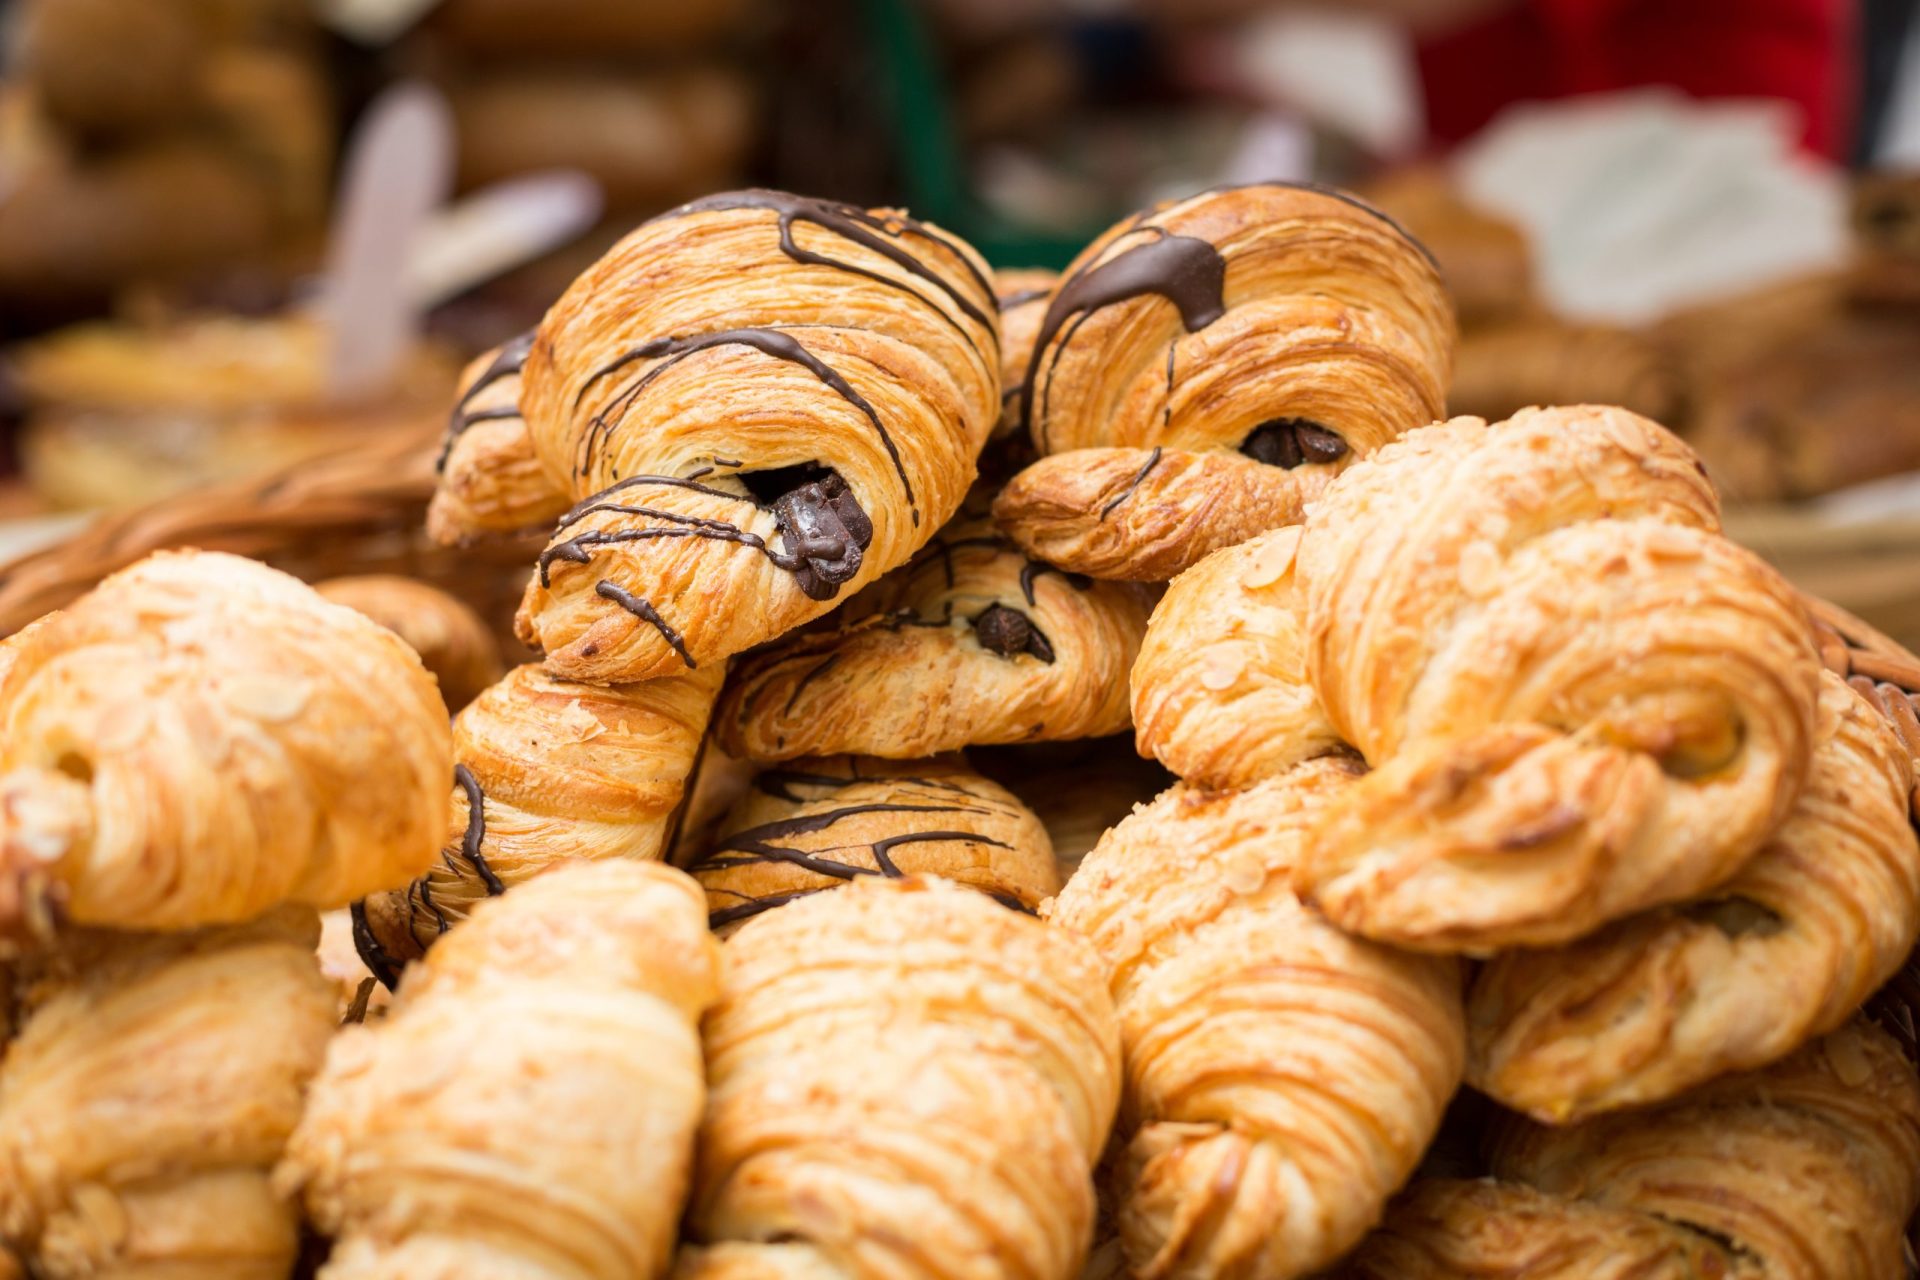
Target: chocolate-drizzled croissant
(527, 1110)
(201, 738)
(491, 479)
(153, 1083)
(907, 1080)
(1807, 1170)
(450, 638)
(1206, 367)
(821, 823)
(1022, 296)
(1783, 952)
(760, 403)
(547, 770)
(970, 643)
(1579, 700)
(1283, 1078)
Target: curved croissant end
(1220, 691)
(1283, 1078)
(760, 401)
(970, 643)
(822, 823)
(491, 479)
(1022, 297)
(450, 638)
(1785, 951)
(527, 1109)
(1234, 350)
(153, 1083)
(908, 1080)
(201, 738)
(559, 770)
(1537, 775)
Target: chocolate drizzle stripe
(509, 360)
(646, 613)
(476, 832)
(771, 342)
(1021, 297)
(753, 853)
(807, 824)
(754, 906)
(1034, 568)
(1153, 460)
(379, 961)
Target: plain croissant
(527, 1109)
(201, 738)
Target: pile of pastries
(702, 944)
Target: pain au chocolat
(1207, 366)
(757, 403)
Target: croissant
(527, 1109)
(151, 1087)
(907, 1080)
(1283, 1078)
(450, 638)
(758, 400)
(1022, 297)
(1808, 1169)
(202, 738)
(824, 822)
(1207, 366)
(1783, 952)
(971, 642)
(1536, 774)
(490, 478)
(547, 770)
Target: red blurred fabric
(1798, 50)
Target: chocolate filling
(1292, 442)
(1008, 632)
(1736, 917)
(821, 523)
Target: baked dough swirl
(759, 402)
(906, 1080)
(1578, 699)
(1783, 952)
(1808, 1170)
(970, 643)
(201, 738)
(527, 1109)
(557, 770)
(1283, 1077)
(1207, 366)
(491, 478)
(821, 823)
(153, 1083)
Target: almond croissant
(907, 1080)
(1808, 1170)
(1207, 366)
(822, 823)
(759, 402)
(1783, 952)
(152, 1085)
(1283, 1078)
(527, 1109)
(548, 770)
(1579, 701)
(968, 644)
(201, 738)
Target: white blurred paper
(1639, 203)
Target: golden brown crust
(1783, 952)
(1808, 1169)
(453, 642)
(202, 738)
(970, 643)
(1283, 1078)
(906, 1079)
(1220, 690)
(152, 1086)
(852, 377)
(820, 823)
(562, 770)
(1537, 774)
(447, 1142)
(491, 479)
(1265, 321)
(1022, 296)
